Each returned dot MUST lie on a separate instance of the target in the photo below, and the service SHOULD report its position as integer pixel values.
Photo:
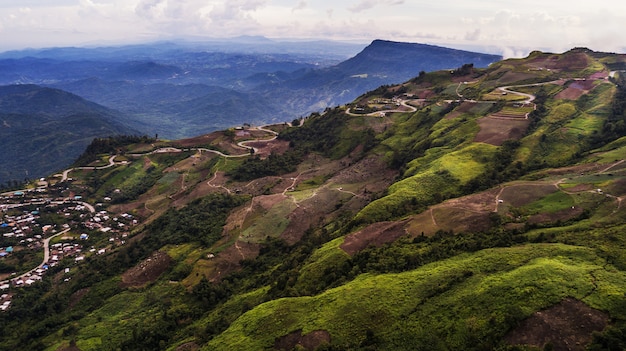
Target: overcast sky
(512, 28)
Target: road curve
(46, 257)
(67, 171)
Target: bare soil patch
(461, 109)
(495, 131)
(568, 326)
(576, 90)
(579, 188)
(617, 188)
(375, 234)
(229, 260)
(297, 341)
(190, 346)
(465, 214)
(567, 62)
(562, 215)
(523, 194)
(460, 220)
(77, 296)
(147, 271)
(68, 348)
(265, 148)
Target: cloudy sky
(512, 28)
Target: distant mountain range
(43, 130)
(182, 90)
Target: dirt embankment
(297, 341)
(567, 326)
(146, 271)
(375, 234)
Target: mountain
(380, 63)
(398, 61)
(264, 81)
(44, 130)
(463, 209)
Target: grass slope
(453, 303)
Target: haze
(510, 28)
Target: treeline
(109, 145)
(320, 133)
(275, 164)
(324, 134)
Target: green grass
(466, 164)
(330, 256)
(561, 112)
(439, 299)
(552, 203)
(269, 223)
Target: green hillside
(471, 209)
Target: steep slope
(44, 130)
(471, 209)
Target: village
(44, 232)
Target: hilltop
(469, 208)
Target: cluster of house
(5, 301)
(23, 227)
(24, 230)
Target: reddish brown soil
(562, 215)
(617, 188)
(523, 194)
(77, 296)
(229, 260)
(190, 346)
(567, 62)
(463, 108)
(495, 131)
(580, 169)
(426, 94)
(69, 348)
(568, 326)
(576, 90)
(465, 214)
(579, 188)
(297, 341)
(266, 148)
(375, 234)
(146, 271)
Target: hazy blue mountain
(380, 63)
(43, 130)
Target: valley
(461, 209)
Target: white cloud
(300, 6)
(368, 4)
(528, 24)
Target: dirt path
(432, 216)
(217, 186)
(384, 112)
(111, 163)
(243, 257)
(611, 166)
